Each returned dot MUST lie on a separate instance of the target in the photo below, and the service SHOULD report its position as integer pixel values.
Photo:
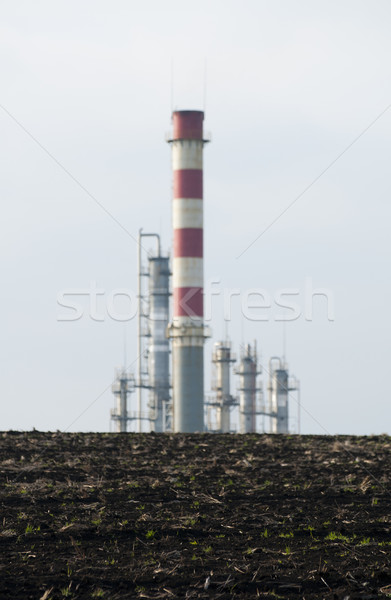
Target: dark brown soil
(194, 516)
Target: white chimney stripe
(187, 272)
(187, 154)
(187, 212)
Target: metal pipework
(222, 359)
(278, 396)
(140, 383)
(121, 388)
(247, 372)
(187, 328)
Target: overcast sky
(287, 87)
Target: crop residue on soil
(194, 516)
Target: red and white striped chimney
(187, 329)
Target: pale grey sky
(290, 84)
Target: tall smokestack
(187, 328)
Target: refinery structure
(167, 393)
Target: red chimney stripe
(188, 242)
(188, 183)
(188, 302)
(187, 124)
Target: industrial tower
(122, 386)
(222, 358)
(187, 329)
(153, 345)
(248, 370)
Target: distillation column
(247, 372)
(222, 359)
(187, 329)
(158, 349)
(121, 388)
(278, 396)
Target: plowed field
(194, 516)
